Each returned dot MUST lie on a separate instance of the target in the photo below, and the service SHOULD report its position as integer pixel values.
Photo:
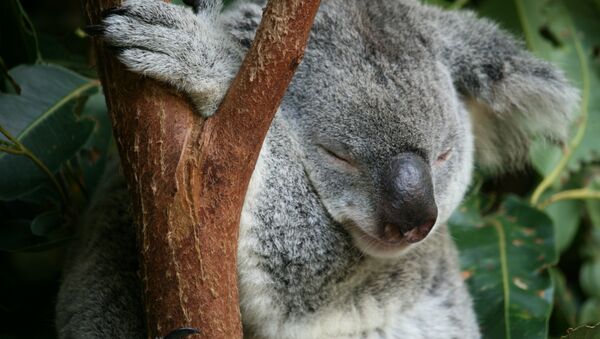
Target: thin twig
(574, 194)
(583, 119)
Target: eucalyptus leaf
(44, 118)
(566, 217)
(589, 277)
(590, 311)
(565, 303)
(504, 257)
(45, 223)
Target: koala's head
(388, 105)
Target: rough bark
(188, 176)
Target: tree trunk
(188, 176)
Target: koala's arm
(198, 53)
(512, 96)
(100, 296)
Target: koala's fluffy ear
(512, 96)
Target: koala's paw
(188, 50)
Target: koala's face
(389, 151)
(387, 144)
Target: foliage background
(530, 241)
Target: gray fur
(378, 78)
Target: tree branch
(188, 177)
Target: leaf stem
(11, 150)
(505, 275)
(23, 150)
(580, 193)
(583, 119)
(5, 143)
(523, 19)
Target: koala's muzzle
(409, 203)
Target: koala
(343, 232)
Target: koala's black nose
(409, 202)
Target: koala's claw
(197, 5)
(181, 333)
(113, 11)
(116, 50)
(94, 30)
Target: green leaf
(18, 40)
(589, 277)
(589, 246)
(567, 214)
(565, 303)
(45, 223)
(44, 118)
(590, 311)
(584, 332)
(505, 257)
(566, 217)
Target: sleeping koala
(343, 232)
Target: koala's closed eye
(338, 155)
(442, 157)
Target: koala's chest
(353, 315)
(301, 277)
(367, 304)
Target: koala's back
(100, 296)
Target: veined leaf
(43, 118)
(505, 257)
